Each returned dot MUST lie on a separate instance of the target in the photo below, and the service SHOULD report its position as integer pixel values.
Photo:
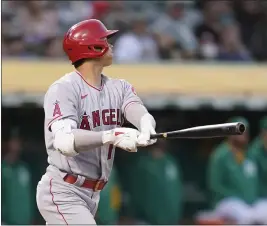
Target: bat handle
(158, 135)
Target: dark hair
(78, 63)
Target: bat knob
(241, 128)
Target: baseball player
(84, 113)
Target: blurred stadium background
(192, 62)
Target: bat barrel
(209, 131)
(234, 128)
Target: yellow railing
(36, 76)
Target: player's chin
(108, 61)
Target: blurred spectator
(110, 201)
(155, 187)
(248, 13)
(71, 12)
(18, 201)
(258, 152)
(151, 9)
(215, 14)
(181, 30)
(173, 34)
(39, 22)
(53, 48)
(118, 16)
(233, 181)
(258, 44)
(192, 16)
(100, 9)
(13, 45)
(12, 36)
(137, 45)
(34, 155)
(232, 48)
(4, 49)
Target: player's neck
(91, 74)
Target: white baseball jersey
(93, 109)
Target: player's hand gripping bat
(208, 131)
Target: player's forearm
(70, 141)
(138, 115)
(86, 140)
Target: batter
(84, 113)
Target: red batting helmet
(86, 39)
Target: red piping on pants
(55, 203)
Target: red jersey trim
(60, 213)
(98, 89)
(52, 120)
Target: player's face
(107, 59)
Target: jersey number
(110, 148)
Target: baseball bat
(207, 131)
